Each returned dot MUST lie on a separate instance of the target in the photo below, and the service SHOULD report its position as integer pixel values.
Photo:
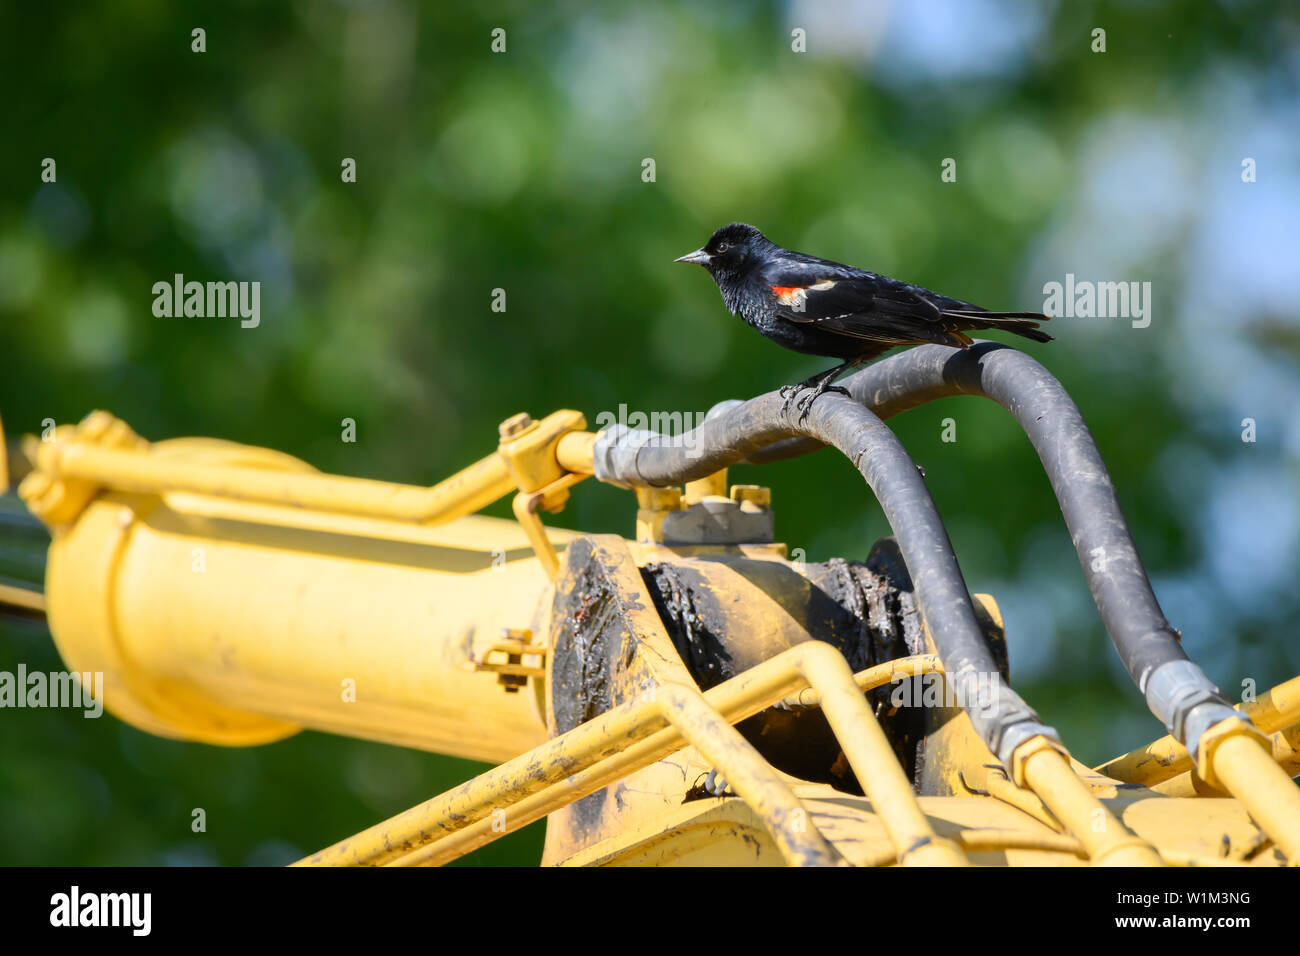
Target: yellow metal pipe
(1166, 758)
(463, 493)
(574, 452)
(1243, 765)
(1285, 754)
(873, 761)
(1275, 709)
(977, 841)
(696, 723)
(870, 678)
(753, 778)
(820, 666)
(550, 788)
(524, 507)
(25, 598)
(994, 841)
(498, 788)
(1025, 801)
(531, 809)
(693, 721)
(1181, 858)
(1045, 769)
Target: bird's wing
(851, 302)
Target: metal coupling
(1000, 716)
(1013, 735)
(614, 454)
(1188, 703)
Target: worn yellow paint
(725, 832)
(571, 766)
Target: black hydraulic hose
(1132, 615)
(643, 459)
(1177, 691)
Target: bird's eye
(722, 247)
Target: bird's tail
(1021, 323)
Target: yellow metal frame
(125, 513)
(635, 735)
(103, 452)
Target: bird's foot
(801, 396)
(788, 392)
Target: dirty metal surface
(703, 615)
(608, 647)
(727, 613)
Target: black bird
(818, 307)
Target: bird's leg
(819, 384)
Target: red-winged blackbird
(818, 307)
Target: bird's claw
(789, 392)
(802, 396)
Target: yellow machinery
(233, 595)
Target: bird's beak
(699, 256)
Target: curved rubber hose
(646, 459)
(1137, 626)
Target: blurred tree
(522, 170)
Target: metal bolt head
(515, 425)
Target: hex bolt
(515, 425)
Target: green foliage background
(522, 171)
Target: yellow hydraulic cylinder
(231, 621)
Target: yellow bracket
(550, 499)
(538, 460)
(531, 450)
